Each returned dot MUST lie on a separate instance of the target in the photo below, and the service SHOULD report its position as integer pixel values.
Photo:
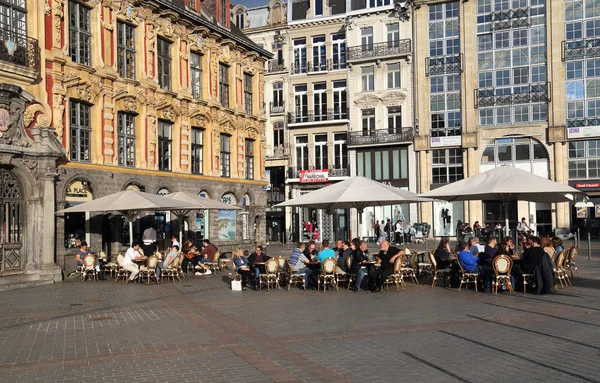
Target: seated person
(359, 257)
(81, 253)
(299, 262)
(242, 267)
(385, 258)
(208, 252)
(257, 257)
(548, 247)
(310, 251)
(443, 255)
(131, 256)
(196, 259)
(489, 253)
(558, 247)
(346, 252)
(532, 257)
(474, 247)
(470, 263)
(325, 252)
(170, 256)
(338, 249)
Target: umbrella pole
(180, 230)
(506, 228)
(130, 233)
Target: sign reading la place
(311, 176)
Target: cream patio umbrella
(356, 192)
(130, 202)
(505, 184)
(201, 203)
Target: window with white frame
(300, 103)
(368, 121)
(447, 166)
(278, 94)
(126, 136)
(13, 21)
(366, 38)
(299, 56)
(584, 159)
(340, 100)
(340, 150)
(338, 47)
(512, 62)
(394, 119)
(445, 89)
(368, 78)
(393, 35)
(321, 160)
(320, 101)
(393, 76)
(80, 35)
(126, 50)
(319, 54)
(278, 134)
(302, 152)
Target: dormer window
(239, 18)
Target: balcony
(319, 66)
(523, 95)
(317, 116)
(381, 137)
(275, 66)
(279, 152)
(276, 109)
(22, 51)
(380, 50)
(443, 65)
(580, 49)
(295, 173)
(275, 197)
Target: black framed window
(278, 94)
(340, 150)
(249, 159)
(225, 155)
(126, 134)
(447, 166)
(394, 119)
(164, 145)
(368, 121)
(81, 131)
(13, 21)
(224, 85)
(248, 93)
(386, 165)
(164, 64)
(321, 154)
(196, 75)
(197, 150)
(80, 36)
(126, 50)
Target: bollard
(589, 247)
(578, 238)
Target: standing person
(242, 267)
(399, 232)
(377, 230)
(131, 256)
(149, 237)
(257, 257)
(388, 230)
(522, 226)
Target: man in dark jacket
(358, 267)
(485, 258)
(256, 261)
(532, 256)
(385, 259)
(311, 250)
(345, 252)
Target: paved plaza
(200, 330)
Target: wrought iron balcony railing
(275, 65)
(380, 136)
(294, 172)
(525, 95)
(513, 18)
(274, 197)
(278, 152)
(317, 116)
(318, 66)
(19, 49)
(276, 108)
(443, 65)
(580, 49)
(372, 51)
(581, 122)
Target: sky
(250, 3)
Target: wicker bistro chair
(502, 267)
(121, 272)
(284, 271)
(559, 271)
(466, 278)
(226, 263)
(343, 277)
(571, 258)
(295, 278)
(437, 273)
(89, 267)
(351, 276)
(172, 271)
(327, 275)
(270, 277)
(110, 267)
(398, 277)
(214, 266)
(408, 269)
(149, 270)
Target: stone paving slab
(200, 330)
